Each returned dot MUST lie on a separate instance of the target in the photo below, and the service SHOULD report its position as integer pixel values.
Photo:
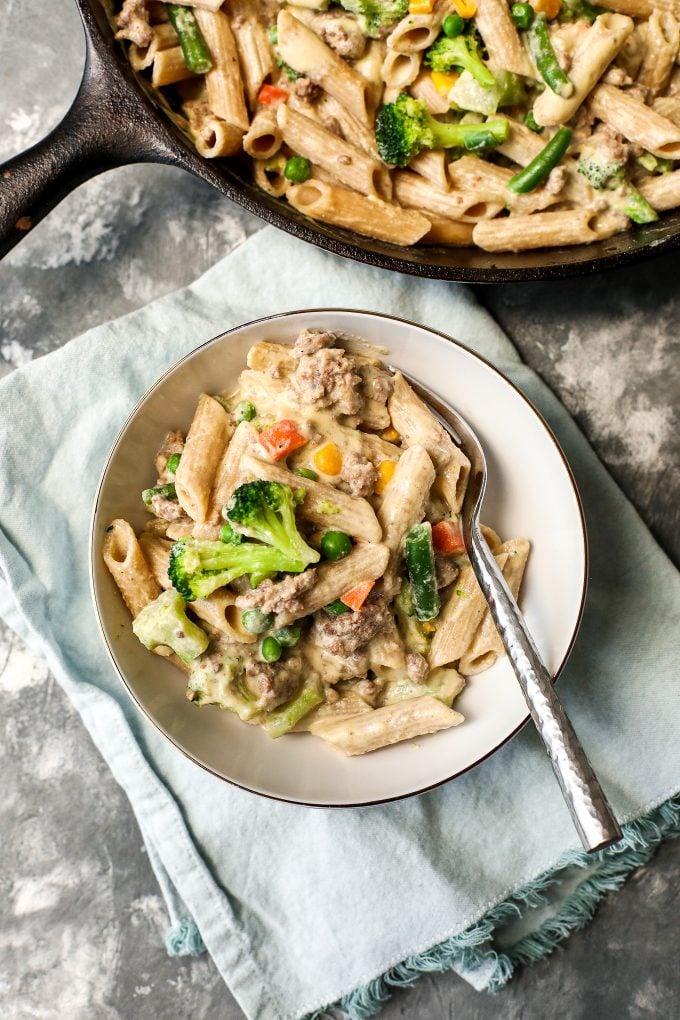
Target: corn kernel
(466, 8)
(420, 6)
(428, 627)
(443, 82)
(391, 435)
(328, 459)
(551, 8)
(386, 471)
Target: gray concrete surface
(81, 922)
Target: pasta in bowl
(506, 127)
(321, 479)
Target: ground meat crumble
(273, 683)
(358, 475)
(417, 667)
(279, 596)
(342, 635)
(133, 23)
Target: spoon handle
(588, 806)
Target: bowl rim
(93, 551)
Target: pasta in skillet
(508, 126)
(303, 561)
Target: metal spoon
(588, 806)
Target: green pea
(453, 25)
(257, 622)
(172, 463)
(307, 473)
(270, 649)
(335, 545)
(244, 411)
(337, 608)
(297, 169)
(522, 15)
(288, 637)
(229, 536)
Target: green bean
(545, 59)
(421, 570)
(172, 463)
(337, 608)
(532, 123)
(194, 48)
(539, 168)
(164, 491)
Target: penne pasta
(343, 161)
(402, 721)
(256, 59)
(414, 191)
(500, 37)
(460, 616)
(635, 121)
(306, 53)
(366, 562)
(662, 192)
(205, 445)
(343, 208)
(595, 50)
(126, 564)
(403, 507)
(223, 82)
(417, 427)
(486, 645)
(547, 230)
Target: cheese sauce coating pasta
(339, 105)
(303, 560)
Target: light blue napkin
(299, 907)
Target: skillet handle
(32, 183)
(107, 126)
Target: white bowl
(531, 492)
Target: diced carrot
(447, 538)
(355, 597)
(270, 95)
(281, 439)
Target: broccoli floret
(266, 511)
(376, 13)
(442, 683)
(609, 174)
(404, 127)
(198, 567)
(165, 622)
(282, 719)
(220, 683)
(463, 51)
(410, 627)
(167, 491)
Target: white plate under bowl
(531, 492)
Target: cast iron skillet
(115, 120)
